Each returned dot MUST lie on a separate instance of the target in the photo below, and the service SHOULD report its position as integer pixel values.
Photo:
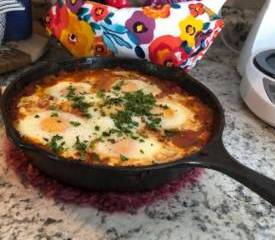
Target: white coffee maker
(257, 65)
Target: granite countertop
(215, 207)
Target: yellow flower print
(78, 37)
(189, 27)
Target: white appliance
(257, 65)
(261, 36)
(258, 86)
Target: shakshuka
(112, 117)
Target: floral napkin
(176, 34)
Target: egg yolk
(168, 113)
(52, 124)
(129, 87)
(125, 147)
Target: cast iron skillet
(104, 178)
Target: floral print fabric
(176, 34)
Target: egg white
(175, 116)
(135, 151)
(132, 85)
(30, 127)
(60, 90)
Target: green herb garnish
(81, 147)
(75, 124)
(123, 120)
(53, 107)
(111, 140)
(139, 103)
(71, 92)
(163, 106)
(56, 145)
(100, 94)
(123, 158)
(54, 114)
(170, 133)
(36, 116)
(78, 101)
(112, 101)
(153, 122)
(136, 104)
(95, 157)
(118, 86)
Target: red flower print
(196, 9)
(158, 11)
(99, 11)
(166, 50)
(57, 20)
(118, 3)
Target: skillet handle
(219, 159)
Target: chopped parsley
(137, 104)
(97, 128)
(81, 147)
(95, 157)
(54, 114)
(71, 92)
(170, 133)
(36, 116)
(118, 86)
(111, 140)
(78, 101)
(163, 106)
(53, 107)
(81, 105)
(56, 143)
(123, 158)
(75, 124)
(123, 120)
(100, 94)
(141, 151)
(92, 143)
(153, 122)
(112, 101)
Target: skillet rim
(14, 136)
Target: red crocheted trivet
(109, 201)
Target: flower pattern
(99, 12)
(196, 9)
(189, 27)
(141, 26)
(78, 37)
(74, 5)
(176, 34)
(166, 50)
(118, 3)
(157, 11)
(55, 23)
(100, 48)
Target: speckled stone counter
(216, 207)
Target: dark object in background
(19, 23)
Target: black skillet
(104, 178)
